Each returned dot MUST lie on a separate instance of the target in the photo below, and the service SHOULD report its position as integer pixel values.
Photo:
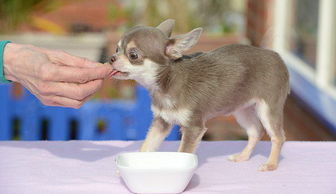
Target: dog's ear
(167, 26)
(177, 45)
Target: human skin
(55, 77)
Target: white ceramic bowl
(156, 172)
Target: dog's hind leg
(272, 119)
(248, 119)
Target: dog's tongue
(114, 72)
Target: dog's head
(143, 50)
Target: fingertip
(97, 72)
(90, 63)
(102, 66)
(107, 69)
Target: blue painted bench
(122, 120)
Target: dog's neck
(176, 73)
(170, 76)
(174, 79)
(168, 81)
(165, 78)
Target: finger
(71, 90)
(54, 100)
(75, 74)
(61, 101)
(64, 58)
(81, 103)
(61, 57)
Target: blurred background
(302, 31)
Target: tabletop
(88, 167)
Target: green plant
(121, 14)
(15, 12)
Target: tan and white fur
(248, 82)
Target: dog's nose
(113, 59)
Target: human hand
(56, 78)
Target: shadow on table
(194, 182)
(124, 184)
(79, 150)
(96, 150)
(92, 151)
(204, 153)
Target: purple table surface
(87, 167)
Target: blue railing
(122, 120)
(319, 103)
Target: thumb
(63, 58)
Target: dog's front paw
(239, 157)
(268, 167)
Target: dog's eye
(133, 55)
(117, 49)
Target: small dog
(249, 82)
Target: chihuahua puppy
(248, 82)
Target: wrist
(9, 55)
(10, 52)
